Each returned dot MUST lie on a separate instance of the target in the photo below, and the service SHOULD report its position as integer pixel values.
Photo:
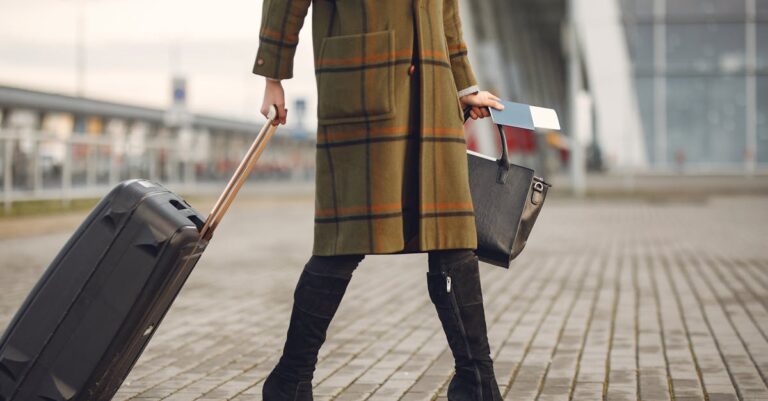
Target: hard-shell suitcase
(87, 320)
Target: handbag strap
(503, 161)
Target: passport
(525, 116)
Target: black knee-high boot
(454, 287)
(317, 296)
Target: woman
(392, 78)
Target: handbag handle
(503, 161)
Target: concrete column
(36, 170)
(7, 174)
(750, 156)
(608, 68)
(660, 84)
(576, 108)
(66, 174)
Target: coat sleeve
(281, 21)
(457, 49)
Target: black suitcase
(85, 323)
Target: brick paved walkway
(616, 300)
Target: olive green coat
(391, 159)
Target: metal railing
(37, 165)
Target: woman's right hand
(274, 95)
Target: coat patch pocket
(355, 78)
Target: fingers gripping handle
(272, 114)
(467, 113)
(240, 176)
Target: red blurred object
(471, 140)
(518, 140)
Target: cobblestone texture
(611, 300)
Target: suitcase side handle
(240, 176)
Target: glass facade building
(701, 75)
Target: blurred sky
(130, 48)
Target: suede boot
(316, 299)
(454, 288)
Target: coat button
(260, 61)
(411, 69)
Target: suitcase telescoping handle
(240, 176)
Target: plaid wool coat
(391, 172)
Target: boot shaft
(455, 290)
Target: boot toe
(279, 388)
(462, 389)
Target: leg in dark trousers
(317, 296)
(454, 287)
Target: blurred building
(701, 71)
(642, 85)
(653, 86)
(60, 147)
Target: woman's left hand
(479, 102)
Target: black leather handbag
(507, 200)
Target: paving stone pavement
(613, 300)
